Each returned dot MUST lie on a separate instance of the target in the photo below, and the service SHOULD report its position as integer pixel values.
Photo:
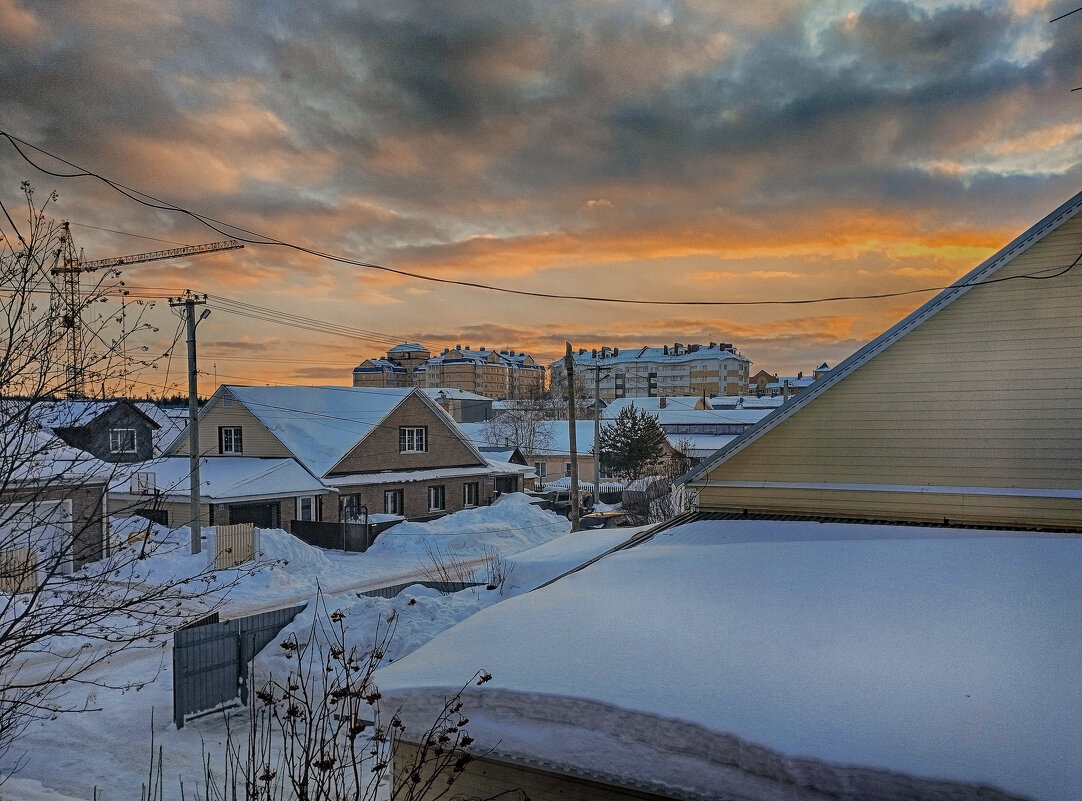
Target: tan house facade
(373, 451)
(966, 411)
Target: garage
(261, 515)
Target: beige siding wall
(985, 393)
(379, 450)
(255, 438)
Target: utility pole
(569, 365)
(188, 303)
(597, 434)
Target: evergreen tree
(633, 445)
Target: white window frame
(541, 468)
(311, 507)
(413, 439)
(437, 498)
(470, 488)
(235, 436)
(116, 443)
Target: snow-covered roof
(652, 404)
(40, 457)
(319, 425)
(956, 290)
(172, 421)
(745, 402)
(380, 366)
(408, 347)
(834, 660)
(700, 445)
(455, 394)
(224, 478)
(792, 382)
(408, 476)
(670, 417)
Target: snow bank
(511, 524)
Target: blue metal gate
(211, 659)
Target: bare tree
(69, 597)
(322, 733)
(522, 427)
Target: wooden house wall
(986, 393)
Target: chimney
(665, 350)
(713, 345)
(678, 348)
(615, 351)
(693, 348)
(467, 347)
(661, 402)
(800, 375)
(593, 353)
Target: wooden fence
(18, 571)
(236, 544)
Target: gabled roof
(78, 413)
(320, 425)
(981, 273)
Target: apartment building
(713, 369)
(494, 374)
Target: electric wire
(215, 224)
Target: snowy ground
(110, 749)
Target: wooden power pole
(569, 365)
(188, 303)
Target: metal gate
(212, 657)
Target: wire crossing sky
(707, 153)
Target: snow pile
(940, 654)
(511, 524)
(417, 614)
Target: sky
(650, 149)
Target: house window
(392, 502)
(229, 439)
(469, 494)
(412, 439)
(121, 440)
(567, 469)
(541, 468)
(304, 508)
(436, 499)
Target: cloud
(805, 146)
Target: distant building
(494, 374)
(714, 369)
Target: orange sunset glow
(657, 150)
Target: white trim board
(928, 489)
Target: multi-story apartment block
(397, 370)
(714, 369)
(494, 374)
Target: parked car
(561, 502)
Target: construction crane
(69, 263)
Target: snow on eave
(988, 267)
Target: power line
(128, 233)
(215, 224)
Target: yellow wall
(986, 393)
